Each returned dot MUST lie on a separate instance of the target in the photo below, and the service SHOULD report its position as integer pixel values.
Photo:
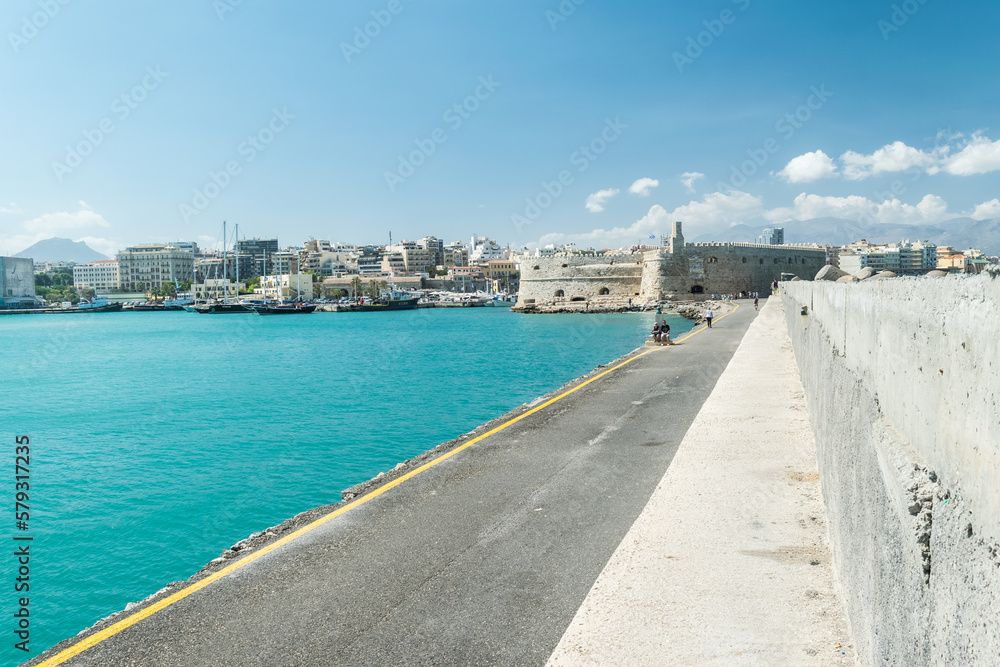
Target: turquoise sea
(160, 439)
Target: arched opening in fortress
(559, 292)
(713, 260)
(604, 291)
(577, 298)
(697, 289)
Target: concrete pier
(729, 562)
(485, 554)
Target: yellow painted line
(111, 630)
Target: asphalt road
(482, 559)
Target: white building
(101, 275)
(286, 287)
(484, 249)
(149, 266)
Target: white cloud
(10, 208)
(64, 221)
(979, 156)
(893, 157)
(595, 202)
(987, 210)
(808, 168)
(714, 210)
(643, 186)
(931, 209)
(688, 178)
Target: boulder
(847, 279)
(937, 273)
(883, 274)
(830, 272)
(794, 279)
(865, 273)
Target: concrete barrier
(902, 380)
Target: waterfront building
(149, 266)
(216, 288)
(473, 272)
(905, 258)
(393, 263)
(188, 246)
(483, 249)
(498, 269)
(370, 261)
(101, 275)
(772, 236)
(286, 262)
(435, 247)
(455, 254)
(286, 287)
(17, 282)
(256, 256)
(51, 267)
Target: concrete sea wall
(902, 380)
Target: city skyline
(529, 123)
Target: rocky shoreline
(692, 310)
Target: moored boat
(291, 309)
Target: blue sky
(280, 117)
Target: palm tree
(356, 285)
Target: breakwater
(901, 379)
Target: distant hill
(960, 233)
(61, 250)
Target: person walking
(755, 302)
(708, 317)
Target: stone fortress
(680, 272)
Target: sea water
(157, 440)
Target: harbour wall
(902, 380)
(691, 271)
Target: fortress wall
(725, 268)
(902, 380)
(579, 277)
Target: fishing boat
(96, 305)
(389, 299)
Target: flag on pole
(652, 236)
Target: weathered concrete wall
(902, 379)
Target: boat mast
(225, 274)
(237, 243)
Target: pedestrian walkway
(729, 562)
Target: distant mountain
(61, 250)
(960, 233)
